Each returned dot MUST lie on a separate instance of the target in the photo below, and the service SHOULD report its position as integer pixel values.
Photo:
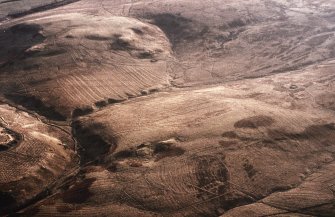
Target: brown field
(167, 108)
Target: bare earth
(167, 108)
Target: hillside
(167, 108)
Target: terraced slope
(219, 42)
(61, 63)
(169, 108)
(203, 152)
(314, 197)
(33, 156)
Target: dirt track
(167, 108)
